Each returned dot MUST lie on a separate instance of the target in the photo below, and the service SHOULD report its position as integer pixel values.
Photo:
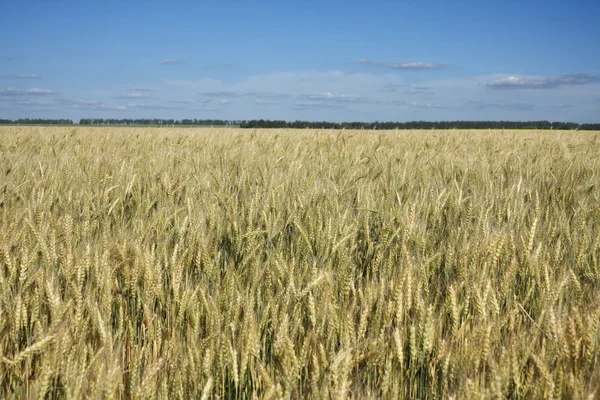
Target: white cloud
(10, 92)
(541, 82)
(350, 98)
(403, 65)
(343, 98)
(321, 96)
(25, 76)
(434, 106)
(19, 92)
(221, 94)
(169, 105)
(264, 102)
(35, 103)
(60, 103)
(38, 91)
(132, 95)
(267, 95)
(146, 106)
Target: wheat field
(227, 263)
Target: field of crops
(226, 263)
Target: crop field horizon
(275, 263)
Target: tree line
(35, 121)
(420, 125)
(156, 121)
(262, 123)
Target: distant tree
(261, 123)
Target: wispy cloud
(145, 106)
(263, 102)
(436, 106)
(418, 91)
(221, 94)
(392, 88)
(266, 95)
(385, 95)
(320, 96)
(331, 96)
(541, 82)
(10, 92)
(28, 92)
(472, 105)
(224, 102)
(80, 104)
(34, 103)
(26, 76)
(174, 105)
(341, 98)
(132, 95)
(408, 90)
(170, 61)
(403, 65)
(38, 91)
(142, 89)
(62, 103)
(481, 105)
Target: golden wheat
(225, 263)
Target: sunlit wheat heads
(226, 263)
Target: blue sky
(309, 60)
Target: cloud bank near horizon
(326, 95)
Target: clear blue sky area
(309, 60)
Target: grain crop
(228, 263)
